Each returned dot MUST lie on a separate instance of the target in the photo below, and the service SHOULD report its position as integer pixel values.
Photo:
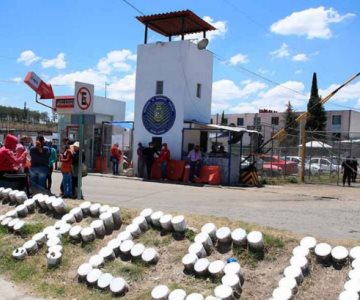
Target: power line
(132, 6)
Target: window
(336, 120)
(159, 87)
(240, 121)
(257, 121)
(274, 120)
(336, 136)
(198, 90)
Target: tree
(291, 127)
(317, 116)
(223, 119)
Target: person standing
(40, 155)
(66, 162)
(347, 170)
(164, 158)
(141, 161)
(195, 160)
(355, 169)
(116, 156)
(52, 160)
(75, 168)
(149, 154)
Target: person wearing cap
(40, 155)
(164, 158)
(116, 157)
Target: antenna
(203, 44)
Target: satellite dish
(203, 44)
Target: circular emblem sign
(158, 115)
(83, 98)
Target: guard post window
(198, 90)
(159, 87)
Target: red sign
(40, 87)
(64, 102)
(83, 98)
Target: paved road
(323, 211)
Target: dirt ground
(261, 276)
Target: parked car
(325, 165)
(287, 167)
(267, 169)
(314, 169)
(296, 159)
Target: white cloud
(17, 79)
(283, 51)
(300, 57)
(312, 23)
(129, 116)
(300, 71)
(89, 76)
(275, 98)
(123, 88)
(57, 63)
(28, 57)
(116, 60)
(239, 59)
(346, 94)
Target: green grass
(32, 228)
(130, 271)
(190, 235)
(153, 238)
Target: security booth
(95, 112)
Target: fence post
(303, 151)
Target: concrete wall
(180, 65)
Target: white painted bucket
(114, 244)
(160, 292)
(83, 270)
(58, 224)
(178, 294)
(85, 207)
(197, 249)
(108, 220)
(12, 196)
(42, 202)
(179, 223)
(20, 197)
(155, 218)
(99, 228)
(354, 274)
(133, 229)
(87, 234)
(56, 248)
(165, 222)
(22, 211)
(2, 217)
(216, 268)
(12, 213)
(118, 286)
(19, 226)
(194, 296)
(115, 212)
(69, 218)
(104, 208)
(189, 261)
(282, 293)
(39, 238)
(48, 202)
(233, 281)
(75, 233)
(356, 264)
(323, 253)
(294, 272)
(146, 213)
(150, 256)
(53, 241)
(107, 253)
(31, 247)
(65, 229)
(51, 231)
(141, 222)
(96, 261)
(19, 253)
(354, 252)
(301, 251)
(201, 266)
(308, 242)
(95, 209)
(126, 247)
(137, 250)
(93, 276)
(339, 256)
(12, 223)
(224, 292)
(301, 262)
(30, 204)
(255, 240)
(204, 239)
(77, 213)
(6, 221)
(234, 268)
(211, 297)
(104, 281)
(53, 259)
(210, 229)
(352, 285)
(59, 206)
(346, 295)
(239, 237)
(289, 283)
(6, 197)
(223, 235)
(124, 235)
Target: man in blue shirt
(40, 155)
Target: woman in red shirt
(66, 163)
(164, 158)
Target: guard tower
(173, 80)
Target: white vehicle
(325, 165)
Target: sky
(265, 51)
